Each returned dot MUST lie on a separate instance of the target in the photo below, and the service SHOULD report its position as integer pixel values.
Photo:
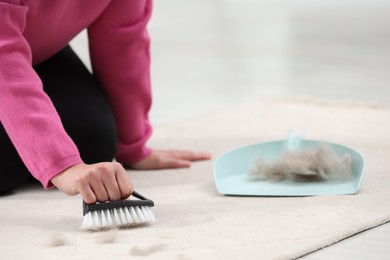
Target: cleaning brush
(111, 214)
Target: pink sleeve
(26, 112)
(119, 48)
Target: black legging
(83, 109)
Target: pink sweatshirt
(31, 31)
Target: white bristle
(120, 217)
(87, 219)
(104, 219)
(110, 222)
(145, 213)
(128, 216)
(139, 214)
(96, 219)
(116, 218)
(134, 215)
(152, 219)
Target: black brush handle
(143, 201)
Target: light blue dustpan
(231, 172)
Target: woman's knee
(13, 172)
(81, 105)
(95, 136)
(10, 183)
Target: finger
(123, 180)
(95, 179)
(88, 195)
(173, 163)
(190, 156)
(99, 190)
(111, 185)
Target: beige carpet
(193, 220)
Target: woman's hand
(168, 159)
(95, 182)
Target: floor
(212, 54)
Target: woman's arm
(35, 128)
(119, 48)
(120, 55)
(26, 112)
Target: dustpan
(231, 172)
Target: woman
(60, 123)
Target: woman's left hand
(169, 159)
